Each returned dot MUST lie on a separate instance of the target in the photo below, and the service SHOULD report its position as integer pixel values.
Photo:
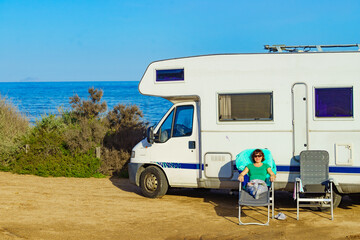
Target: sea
(36, 99)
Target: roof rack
(306, 48)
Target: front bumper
(134, 173)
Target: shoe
(280, 216)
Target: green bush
(65, 145)
(13, 125)
(85, 134)
(58, 164)
(49, 155)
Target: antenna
(306, 48)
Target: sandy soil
(68, 208)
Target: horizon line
(69, 81)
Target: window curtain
(225, 107)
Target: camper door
(176, 145)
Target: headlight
(132, 154)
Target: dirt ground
(70, 208)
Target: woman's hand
(242, 174)
(272, 174)
(272, 178)
(241, 178)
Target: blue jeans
(256, 187)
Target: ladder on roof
(306, 48)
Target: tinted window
(183, 121)
(245, 106)
(170, 75)
(334, 102)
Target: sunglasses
(258, 155)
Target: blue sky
(112, 40)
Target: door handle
(191, 144)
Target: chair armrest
(298, 186)
(330, 182)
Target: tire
(336, 198)
(153, 182)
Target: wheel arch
(337, 186)
(146, 165)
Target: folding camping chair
(314, 179)
(265, 199)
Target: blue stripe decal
(344, 169)
(180, 165)
(279, 168)
(331, 169)
(288, 168)
(283, 168)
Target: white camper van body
(205, 157)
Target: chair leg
(331, 202)
(255, 223)
(239, 216)
(272, 201)
(297, 201)
(268, 215)
(268, 210)
(240, 223)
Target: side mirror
(150, 135)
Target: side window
(165, 130)
(246, 107)
(334, 102)
(169, 75)
(183, 124)
(183, 121)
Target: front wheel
(336, 201)
(153, 182)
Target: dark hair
(257, 151)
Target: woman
(257, 172)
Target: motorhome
(287, 100)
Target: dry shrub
(126, 129)
(124, 139)
(91, 108)
(113, 161)
(118, 132)
(13, 125)
(84, 135)
(86, 127)
(125, 116)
